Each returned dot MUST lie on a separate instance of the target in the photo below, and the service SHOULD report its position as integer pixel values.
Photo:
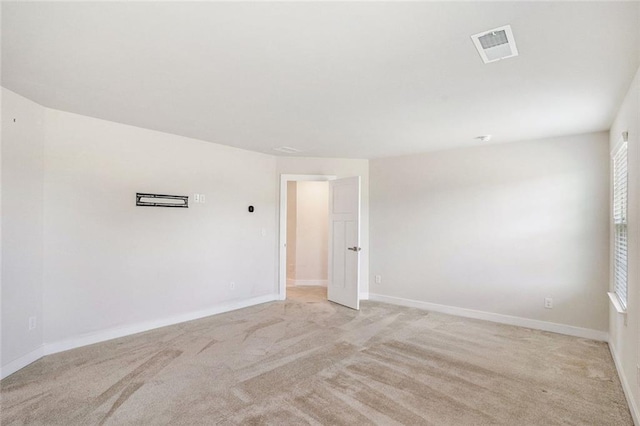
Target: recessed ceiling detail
(496, 44)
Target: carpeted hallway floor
(306, 361)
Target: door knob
(356, 249)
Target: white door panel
(338, 266)
(344, 242)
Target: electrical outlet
(232, 285)
(202, 198)
(196, 198)
(33, 322)
(378, 279)
(548, 303)
(264, 232)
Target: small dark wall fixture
(160, 200)
(251, 209)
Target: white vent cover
(495, 44)
(287, 149)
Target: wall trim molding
(633, 407)
(22, 362)
(553, 327)
(116, 332)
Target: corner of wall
(624, 334)
(22, 229)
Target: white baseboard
(114, 333)
(322, 283)
(570, 330)
(633, 407)
(364, 296)
(21, 362)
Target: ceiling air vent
(495, 44)
(287, 149)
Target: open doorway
(295, 278)
(342, 271)
(307, 239)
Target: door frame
(282, 242)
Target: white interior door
(344, 242)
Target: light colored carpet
(306, 361)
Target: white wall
(624, 339)
(497, 229)
(22, 225)
(341, 168)
(111, 264)
(111, 268)
(312, 233)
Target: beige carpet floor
(307, 361)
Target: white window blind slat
(620, 201)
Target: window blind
(620, 177)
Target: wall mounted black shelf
(161, 200)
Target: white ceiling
(354, 80)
